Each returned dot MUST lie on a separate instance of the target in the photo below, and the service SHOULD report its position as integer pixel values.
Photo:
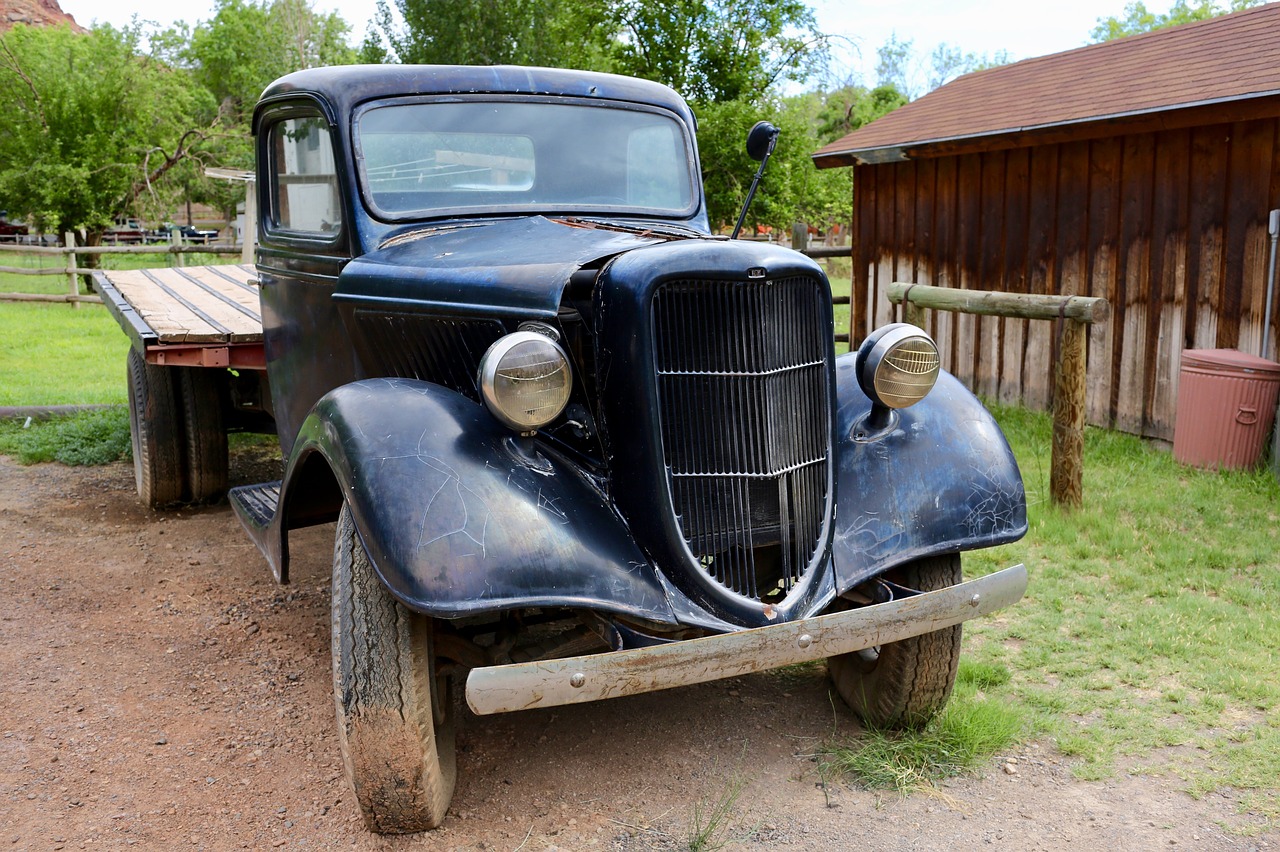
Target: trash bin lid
(1231, 362)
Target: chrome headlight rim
(873, 357)
(488, 376)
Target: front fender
(459, 516)
(940, 478)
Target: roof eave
(905, 151)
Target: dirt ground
(158, 690)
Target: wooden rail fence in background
(1075, 313)
(72, 269)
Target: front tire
(395, 715)
(904, 684)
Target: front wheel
(395, 715)
(905, 683)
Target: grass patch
(56, 354)
(1148, 639)
(89, 438)
(53, 354)
(964, 736)
(1150, 632)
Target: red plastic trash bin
(1226, 402)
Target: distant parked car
(124, 231)
(11, 231)
(190, 233)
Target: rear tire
(155, 430)
(205, 441)
(395, 715)
(905, 683)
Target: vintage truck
(576, 445)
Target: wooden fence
(72, 268)
(1074, 315)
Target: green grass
(53, 353)
(91, 437)
(1150, 634)
(972, 728)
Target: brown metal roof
(1229, 58)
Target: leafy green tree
(1137, 18)
(792, 189)
(849, 107)
(559, 33)
(92, 125)
(717, 50)
(248, 44)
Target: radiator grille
(743, 403)
(442, 350)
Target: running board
(257, 507)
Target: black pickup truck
(576, 445)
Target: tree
(1138, 18)
(248, 44)
(717, 50)
(559, 33)
(91, 125)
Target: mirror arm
(755, 182)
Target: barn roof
(1226, 59)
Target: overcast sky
(1022, 28)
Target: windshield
(424, 159)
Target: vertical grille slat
(744, 410)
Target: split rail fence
(1074, 314)
(72, 267)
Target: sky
(1024, 29)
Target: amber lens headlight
(897, 365)
(525, 380)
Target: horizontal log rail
(72, 270)
(1076, 313)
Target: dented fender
(940, 478)
(459, 516)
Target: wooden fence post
(1066, 475)
(1076, 313)
(73, 281)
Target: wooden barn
(1142, 170)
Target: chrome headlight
(897, 365)
(525, 380)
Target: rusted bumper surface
(573, 680)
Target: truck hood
(490, 268)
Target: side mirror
(760, 140)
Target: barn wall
(1171, 227)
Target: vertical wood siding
(1170, 227)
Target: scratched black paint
(460, 516)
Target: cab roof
(343, 87)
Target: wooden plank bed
(195, 316)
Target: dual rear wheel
(177, 430)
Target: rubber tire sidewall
(395, 716)
(155, 431)
(911, 680)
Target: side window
(304, 178)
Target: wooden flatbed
(195, 316)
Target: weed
(88, 438)
(708, 824)
(965, 735)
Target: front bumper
(574, 680)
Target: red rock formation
(36, 13)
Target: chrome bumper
(573, 680)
